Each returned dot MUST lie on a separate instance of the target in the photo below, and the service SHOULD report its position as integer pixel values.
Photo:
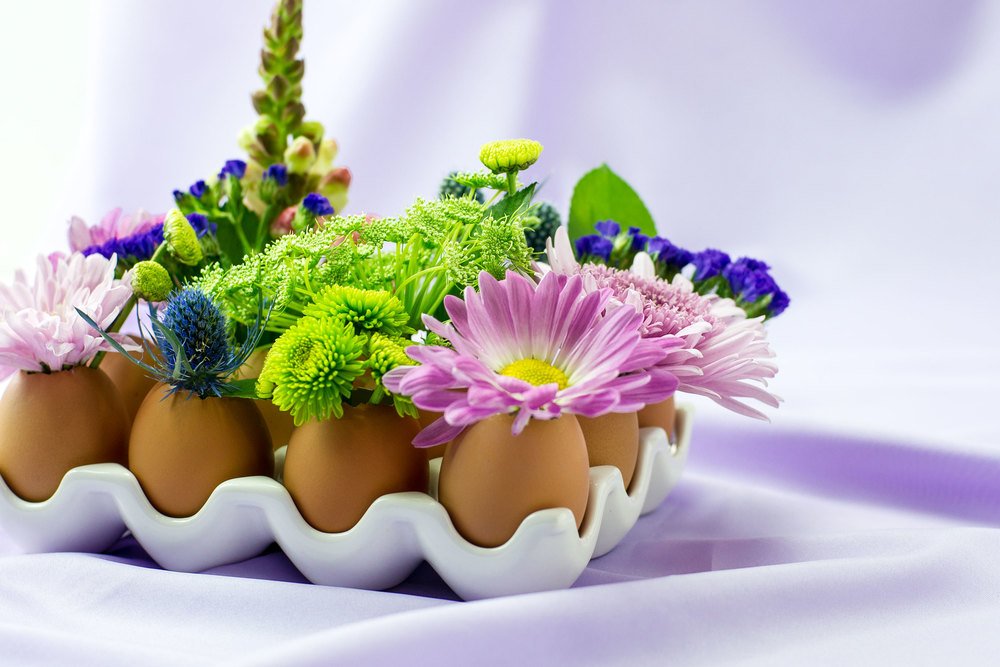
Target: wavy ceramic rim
(95, 504)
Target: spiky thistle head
(199, 326)
(311, 369)
(548, 221)
(368, 311)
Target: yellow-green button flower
(181, 239)
(509, 155)
(150, 281)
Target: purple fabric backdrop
(854, 145)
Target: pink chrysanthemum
(535, 350)
(114, 225)
(724, 356)
(40, 329)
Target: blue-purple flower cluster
(141, 246)
(747, 281)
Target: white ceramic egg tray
(95, 504)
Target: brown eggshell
(52, 422)
(491, 480)
(425, 419)
(661, 414)
(181, 448)
(131, 381)
(336, 468)
(279, 424)
(613, 440)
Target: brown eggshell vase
(336, 468)
(491, 480)
(53, 422)
(182, 447)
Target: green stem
(511, 182)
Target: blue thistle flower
(200, 327)
(277, 173)
(195, 351)
(197, 189)
(317, 204)
(709, 263)
(233, 168)
(608, 228)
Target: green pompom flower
(366, 310)
(509, 155)
(385, 353)
(310, 370)
(151, 282)
(181, 239)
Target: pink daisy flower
(537, 351)
(40, 329)
(724, 356)
(114, 225)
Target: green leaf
(242, 388)
(511, 204)
(603, 195)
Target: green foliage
(603, 195)
(480, 179)
(452, 188)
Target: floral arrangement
(475, 325)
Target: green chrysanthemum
(384, 354)
(151, 282)
(509, 155)
(366, 310)
(310, 370)
(182, 240)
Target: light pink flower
(536, 351)
(724, 355)
(39, 326)
(114, 225)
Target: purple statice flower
(317, 204)
(639, 240)
(233, 168)
(662, 250)
(709, 263)
(198, 189)
(277, 173)
(594, 246)
(608, 228)
(201, 224)
(534, 351)
(141, 245)
(749, 279)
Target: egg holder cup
(95, 504)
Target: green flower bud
(300, 155)
(326, 155)
(312, 130)
(150, 281)
(509, 155)
(181, 239)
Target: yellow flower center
(536, 372)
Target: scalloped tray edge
(95, 504)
